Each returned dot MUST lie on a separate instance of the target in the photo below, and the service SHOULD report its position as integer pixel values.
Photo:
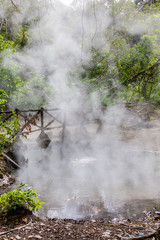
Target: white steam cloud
(95, 165)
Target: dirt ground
(27, 226)
(24, 225)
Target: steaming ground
(98, 175)
(100, 167)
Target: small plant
(20, 198)
(8, 129)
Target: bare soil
(27, 226)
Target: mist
(96, 164)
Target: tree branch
(144, 71)
(9, 159)
(14, 5)
(15, 229)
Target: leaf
(24, 220)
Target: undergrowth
(20, 198)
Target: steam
(97, 165)
(98, 170)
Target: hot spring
(104, 177)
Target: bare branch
(144, 71)
(9, 159)
(14, 5)
(15, 229)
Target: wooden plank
(30, 110)
(52, 116)
(45, 129)
(8, 117)
(49, 123)
(42, 118)
(29, 122)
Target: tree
(127, 68)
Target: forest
(119, 46)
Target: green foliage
(9, 73)
(127, 68)
(9, 79)
(5, 44)
(124, 69)
(20, 198)
(22, 91)
(3, 97)
(8, 129)
(135, 59)
(31, 93)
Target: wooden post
(100, 121)
(62, 139)
(17, 111)
(42, 119)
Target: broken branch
(9, 159)
(14, 229)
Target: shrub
(8, 129)
(20, 198)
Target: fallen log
(9, 159)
